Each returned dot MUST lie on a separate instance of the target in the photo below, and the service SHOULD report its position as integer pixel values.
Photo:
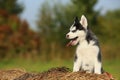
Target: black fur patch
(99, 57)
(93, 70)
(78, 25)
(102, 71)
(87, 65)
(90, 36)
(80, 69)
(75, 58)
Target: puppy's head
(77, 30)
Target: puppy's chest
(86, 50)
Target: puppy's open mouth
(72, 41)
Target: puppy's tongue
(70, 43)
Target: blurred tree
(16, 39)
(86, 7)
(11, 6)
(9, 11)
(109, 25)
(56, 19)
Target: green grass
(34, 66)
(112, 66)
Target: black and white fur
(88, 54)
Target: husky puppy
(88, 54)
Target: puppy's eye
(74, 30)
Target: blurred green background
(44, 48)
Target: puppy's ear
(84, 22)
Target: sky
(32, 8)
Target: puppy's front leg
(77, 64)
(98, 67)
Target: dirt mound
(61, 73)
(11, 74)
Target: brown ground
(61, 73)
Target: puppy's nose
(67, 36)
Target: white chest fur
(87, 51)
